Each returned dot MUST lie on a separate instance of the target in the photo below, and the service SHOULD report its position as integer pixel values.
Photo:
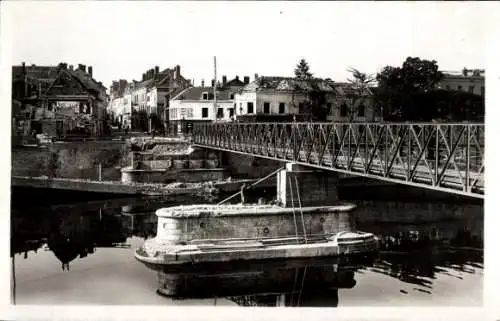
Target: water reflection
(415, 252)
(313, 282)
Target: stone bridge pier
(315, 187)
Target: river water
(80, 251)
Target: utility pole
(215, 88)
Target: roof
(160, 78)
(195, 93)
(294, 84)
(47, 75)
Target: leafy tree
(357, 93)
(397, 85)
(302, 70)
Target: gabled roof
(196, 93)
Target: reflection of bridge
(445, 157)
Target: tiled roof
(293, 84)
(290, 84)
(196, 93)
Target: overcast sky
(123, 39)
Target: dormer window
(231, 96)
(205, 96)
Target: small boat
(225, 233)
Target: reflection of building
(69, 234)
(57, 100)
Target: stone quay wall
(72, 160)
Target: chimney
(237, 78)
(143, 77)
(177, 72)
(89, 70)
(224, 80)
(157, 70)
(71, 67)
(246, 80)
(202, 83)
(256, 76)
(213, 82)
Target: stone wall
(251, 225)
(129, 175)
(316, 188)
(72, 160)
(242, 166)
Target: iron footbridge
(444, 157)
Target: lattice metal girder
(448, 157)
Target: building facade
(468, 80)
(314, 99)
(143, 104)
(197, 104)
(58, 100)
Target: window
(471, 89)
(301, 108)
(459, 88)
(482, 90)
(205, 96)
(204, 112)
(361, 110)
(148, 98)
(343, 110)
(282, 108)
(231, 111)
(220, 112)
(267, 108)
(231, 96)
(329, 108)
(249, 108)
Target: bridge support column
(316, 187)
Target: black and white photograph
(246, 154)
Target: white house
(469, 80)
(196, 104)
(290, 96)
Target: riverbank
(116, 187)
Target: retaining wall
(72, 160)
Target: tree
(397, 85)
(357, 93)
(302, 70)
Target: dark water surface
(81, 252)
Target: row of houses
(57, 101)
(166, 97)
(143, 105)
(153, 103)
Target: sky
(121, 40)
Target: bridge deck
(446, 157)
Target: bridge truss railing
(448, 157)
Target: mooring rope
(300, 208)
(252, 185)
(293, 210)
